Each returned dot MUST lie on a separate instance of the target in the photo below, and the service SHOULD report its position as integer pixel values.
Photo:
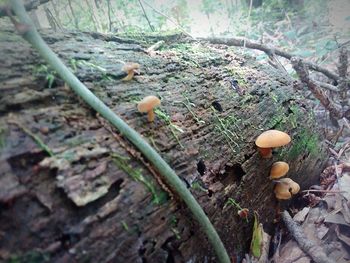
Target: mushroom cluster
(285, 187)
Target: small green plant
(188, 104)
(242, 212)
(197, 186)
(2, 137)
(173, 223)
(165, 117)
(49, 74)
(122, 163)
(83, 63)
(224, 126)
(125, 225)
(30, 257)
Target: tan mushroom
(278, 170)
(130, 68)
(271, 139)
(147, 105)
(285, 187)
(282, 192)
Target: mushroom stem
(129, 76)
(150, 116)
(265, 152)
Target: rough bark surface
(96, 199)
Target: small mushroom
(243, 213)
(130, 68)
(282, 193)
(147, 105)
(278, 170)
(285, 188)
(271, 139)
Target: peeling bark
(96, 200)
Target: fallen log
(97, 198)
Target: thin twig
(240, 42)
(307, 245)
(324, 191)
(155, 46)
(326, 86)
(303, 74)
(343, 83)
(144, 13)
(172, 21)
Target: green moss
(238, 74)
(2, 137)
(303, 143)
(158, 196)
(190, 48)
(282, 121)
(29, 257)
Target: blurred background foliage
(310, 29)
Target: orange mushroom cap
(286, 187)
(278, 170)
(130, 66)
(293, 186)
(272, 138)
(148, 103)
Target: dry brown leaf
(344, 185)
(321, 231)
(336, 219)
(345, 211)
(342, 237)
(333, 202)
(290, 252)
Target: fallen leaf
(290, 252)
(301, 215)
(342, 237)
(345, 211)
(321, 231)
(257, 239)
(335, 219)
(344, 185)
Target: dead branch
(240, 42)
(326, 86)
(308, 246)
(343, 83)
(303, 74)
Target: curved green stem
(164, 169)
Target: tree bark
(97, 199)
